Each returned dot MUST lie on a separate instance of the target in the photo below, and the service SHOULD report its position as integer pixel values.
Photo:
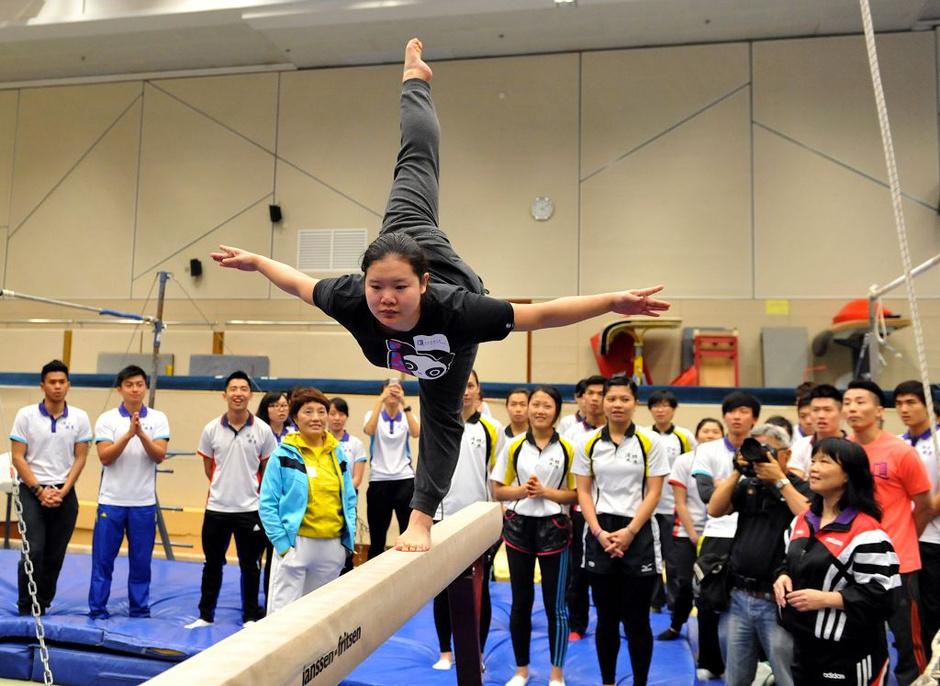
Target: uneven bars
(322, 637)
(5, 293)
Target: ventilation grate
(323, 250)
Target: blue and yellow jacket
(285, 490)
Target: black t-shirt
(763, 517)
(452, 319)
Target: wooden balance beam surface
(322, 637)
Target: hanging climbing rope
(932, 673)
(897, 205)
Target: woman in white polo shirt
(620, 471)
(533, 476)
(391, 474)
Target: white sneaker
(198, 624)
(764, 675)
(703, 674)
(518, 680)
(248, 623)
(443, 664)
(556, 683)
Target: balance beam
(322, 637)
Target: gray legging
(413, 208)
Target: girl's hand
(235, 258)
(534, 488)
(620, 541)
(638, 301)
(782, 586)
(604, 539)
(807, 599)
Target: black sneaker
(669, 634)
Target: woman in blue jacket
(308, 503)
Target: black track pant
(623, 600)
(521, 575)
(578, 593)
(709, 647)
(442, 612)
(413, 208)
(684, 556)
(906, 631)
(664, 594)
(382, 499)
(217, 531)
(48, 530)
(928, 582)
(816, 665)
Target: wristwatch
(781, 484)
(406, 408)
(37, 489)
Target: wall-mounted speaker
(195, 268)
(275, 212)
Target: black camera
(753, 451)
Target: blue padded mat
(121, 650)
(407, 657)
(174, 597)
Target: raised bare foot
(415, 67)
(417, 537)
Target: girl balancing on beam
(418, 308)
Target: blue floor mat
(407, 657)
(174, 597)
(122, 650)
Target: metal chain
(31, 586)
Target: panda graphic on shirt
(428, 358)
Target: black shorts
(536, 535)
(641, 558)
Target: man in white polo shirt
(49, 442)
(234, 448)
(131, 441)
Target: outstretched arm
(281, 275)
(571, 310)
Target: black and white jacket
(853, 556)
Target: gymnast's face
(393, 292)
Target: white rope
(897, 205)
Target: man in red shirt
(900, 479)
